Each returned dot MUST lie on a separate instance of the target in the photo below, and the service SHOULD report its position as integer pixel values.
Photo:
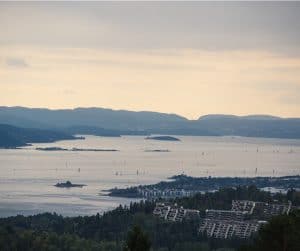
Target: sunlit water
(27, 176)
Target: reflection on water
(27, 176)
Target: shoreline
(185, 186)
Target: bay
(27, 175)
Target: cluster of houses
(154, 193)
(228, 224)
(239, 222)
(261, 209)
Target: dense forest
(282, 233)
(115, 230)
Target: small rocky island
(163, 138)
(68, 184)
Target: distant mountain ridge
(105, 118)
(108, 122)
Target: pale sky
(191, 58)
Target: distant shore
(182, 186)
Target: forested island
(68, 184)
(185, 185)
(115, 231)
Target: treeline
(282, 233)
(222, 198)
(109, 231)
(14, 239)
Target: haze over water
(27, 176)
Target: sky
(189, 58)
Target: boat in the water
(68, 184)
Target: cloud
(16, 62)
(211, 26)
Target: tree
(137, 240)
(282, 233)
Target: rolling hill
(11, 136)
(107, 122)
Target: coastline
(183, 186)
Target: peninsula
(183, 186)
(14, 137)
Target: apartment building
(225, 229)
(264, 209)
(243, 205)
(174, 213)
(229, 215)
(225, 224)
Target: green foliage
(282, 233)
(137, 240)
(110, 230)
(13, 240)
(192, 246)
(294, 196)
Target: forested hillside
(11, 136)
(109, 231)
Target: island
(68, 184)
(55, 148)
(163, 138)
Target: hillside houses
(261, 209)
(242, 221)
(174, 213)
(154, 193)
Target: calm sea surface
(27, 176)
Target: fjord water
(27, 176)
